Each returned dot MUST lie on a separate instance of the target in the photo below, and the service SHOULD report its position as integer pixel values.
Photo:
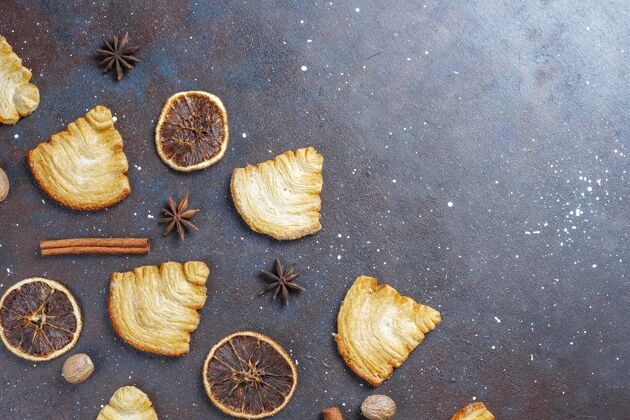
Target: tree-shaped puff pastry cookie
(378, 328)
(155, 309)
(84, 166)
(18, 97)
(280, 197)
(128, 403)
(473, 411)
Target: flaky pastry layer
(128, 403)
(280, 197)
(155, 309)
(473, 411)
(84, 166)
(378, 328)
(18, 97)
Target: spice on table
(118, 55)
(332, 413)
(282, 281)
(77, 368)
(378, 407)
(4, 185)
(178, 217)
(82, 246)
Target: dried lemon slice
(128, 403)
(192, 132)
(155, 309)
(473, 411)
(378, 328)
(248, 375)
(280, 197)
(18, 97)
(39, 319)
(84, 166)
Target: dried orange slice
(192, 132)
(39, 319)
(248, 375)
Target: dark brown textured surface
(514, 112)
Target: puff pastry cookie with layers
(280, 197)
(84, 166)
(378, 328)
(18, 97)
(155, 309)
(128, 403)
(473, 411)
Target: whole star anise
(281, 281)
(177, 216)
(118, 55)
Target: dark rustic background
(515, 112)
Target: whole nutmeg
(4, 185)
(378, 407)
(77, 368)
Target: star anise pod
(177, 216)
(282, 281)
(118, 55)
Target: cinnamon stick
(332, 413)
(78, 250)
(101, 242)
(82, 246)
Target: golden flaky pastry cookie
(473, 411)
(128, 403)
(18, 97)
(84, 166)
(378, 328)
(155, 309)
(280, 197)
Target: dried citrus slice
(192, 132)
(248, 375)
(39, 319)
